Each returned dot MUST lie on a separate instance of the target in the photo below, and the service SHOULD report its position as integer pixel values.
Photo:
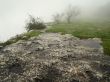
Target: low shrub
(35, 24)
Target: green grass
(106, 45)
(31, 34)
(86, 30)
(24, 36)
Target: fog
(13, 13)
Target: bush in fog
(57, 18)
(35, 24)
(71, 13)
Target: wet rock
(52, 57)
(1, 47)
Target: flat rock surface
(52, 57)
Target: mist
(14, 13)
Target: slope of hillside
(52, 57)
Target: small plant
(35, 24)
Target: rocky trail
(52, 57)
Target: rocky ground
(52, 57)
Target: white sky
(13, 13)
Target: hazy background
(13, 13)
